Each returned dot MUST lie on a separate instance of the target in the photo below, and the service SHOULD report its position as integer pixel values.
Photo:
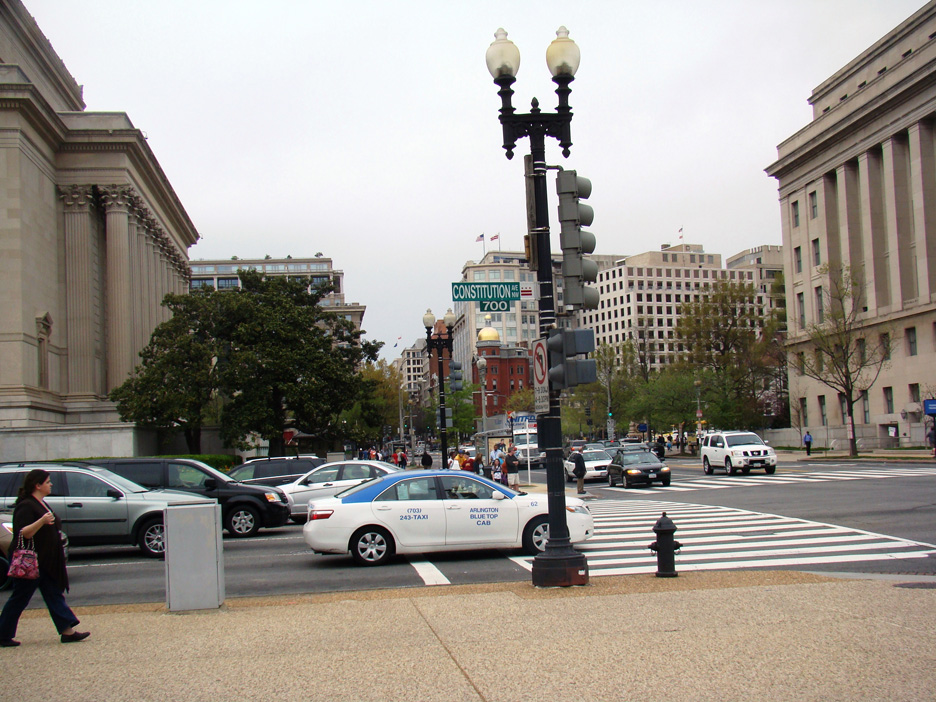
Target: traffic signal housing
(448, 418)
(455, 376)
(576, 243)
(565, 370)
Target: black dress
(47, 540)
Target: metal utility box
(194, 557)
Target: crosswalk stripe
(716, 538)
(731, 481)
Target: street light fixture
(482, 376)
(439, 343)
(559, 565)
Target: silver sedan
(329, 479)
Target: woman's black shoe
(9, 643)
(77, 636)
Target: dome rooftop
(488, 334)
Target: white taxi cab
(436, 510)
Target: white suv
(734, 450)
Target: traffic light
(448, 418)
(455, 376)
(576, 243)
(566, 371)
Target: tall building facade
(222, 274)
(93, 236)
(641, 297)
(857, 189)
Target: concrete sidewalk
(737, 635)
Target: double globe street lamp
(559, 564)
(439, 343)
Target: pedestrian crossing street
(719, 538)
(721, 482)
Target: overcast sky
(367, 130)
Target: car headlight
(581, 509)
(634, 471)
(271, 497)
(664, 469)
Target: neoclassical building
(858, 188)
(92, 236)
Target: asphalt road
(835, 511)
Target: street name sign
(480, 292)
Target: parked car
(631, 468)
(97, 506)
(328, 479)
(430, 511)
(244, 508)
(596, 465)
(736, 450)
(274, 471)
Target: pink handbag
(24, 563)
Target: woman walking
(33, 519)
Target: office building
(858, 191)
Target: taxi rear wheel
(371, 546)
(535, 535)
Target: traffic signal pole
(559, 565)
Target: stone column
(923, 197)
(899, 221)
(118, 285)
(876, 278)
(849, 218)
(138, 275)
(79, 303)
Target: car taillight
(321, 514)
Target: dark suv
(275, 471)
(244, 508)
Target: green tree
(843, 351)
(725, 334)
(286, 360)
(521, 400)
(175, 382)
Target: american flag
(481, 238)
(496, 236)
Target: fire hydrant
(665, 547)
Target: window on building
(798, 259)
(865, 407)
(843, 407)
(803, 411)
(801, 309)
(816, 255)
(910, 334)
(889, 400)
(914, 389)
(801, 362)
(885, 346)
(794, 212)
(813, 204)
(228, 283)
(820, 305)
(822, 411)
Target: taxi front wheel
(535, 535)
(371, 546)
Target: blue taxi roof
(371, 489)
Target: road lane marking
(429, 573)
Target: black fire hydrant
(665, 547)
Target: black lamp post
(439, 343)
(560, 564)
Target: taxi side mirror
(498, 495)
